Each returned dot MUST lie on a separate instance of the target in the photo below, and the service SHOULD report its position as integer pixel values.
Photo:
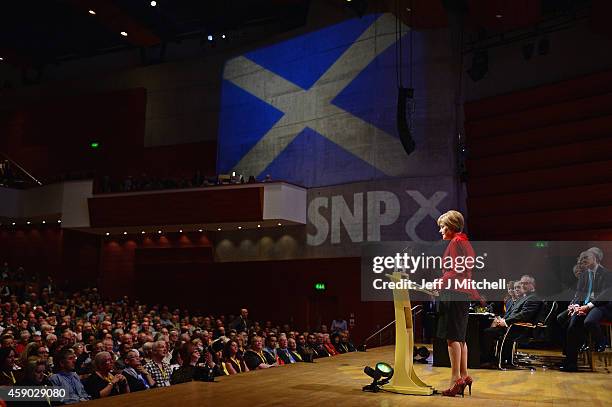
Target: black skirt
(453, 313)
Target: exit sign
(319, 286)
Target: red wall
(53, 137)
(539, 162)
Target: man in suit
(241, 323)
(524, 309)
(285, 354)
(590, 305)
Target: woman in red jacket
(455, 300)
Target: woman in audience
(191, 369)
(36, 375)
(30, 351)
(102, 383)
(9, 375)
(329, 346)
(232, 359)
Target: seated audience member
(329, 347)
(175, 361)
(35, 375)
(67, 378)
(102, 383)
(9, 371)
(232, 359)
(313, 346)
(345, 343)
(271, 345)
(303, 349)
(510, 297)
(339, 325)
(24, 338)
(138, 378)
(159, 370)
(524, 310)
(517, 294)
(590, 305)
(30, 351)
(241, 323)
(256, 358)
(191, 368)
(293, 349)
(7, 341)
(284, 354)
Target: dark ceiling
(38, 32)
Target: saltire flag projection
(316, 110)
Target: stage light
(210, 38)
(143, 232)
(124, 33)
(59, 221)
(199, 230)
(382, 371)
(239, 227)
(280, 224)
(180, 230)
(1, 59)
(153, 3)
(125, 233)
(223, 36)
(28, 222)
(219, 229)
(258, 226)
(13, 223)
(44, 221)
(499, 15)
(159, 231)
(107, 234)
(93, 13)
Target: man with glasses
(137, 376)
(525, 309)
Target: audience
(97, 348)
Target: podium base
(412, 390)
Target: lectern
(405, 379)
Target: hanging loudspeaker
(403, 128)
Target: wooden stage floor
(337, 381)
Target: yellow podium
(405, 379)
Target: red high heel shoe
(457, 388)
(468, 382)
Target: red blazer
(457, 247)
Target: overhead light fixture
(59, 221)
(107, 234)
(180, 230)
(219, 229)
(210, 37)
(124, 33)
(499, 15)
(258, 226)
(199, 230)
(159, 231)
(239, 227)
(44, 221)
(13, 223)
(153, 3)
(223, 36)
(93, 13)
(125, 233)
(280, 224)
(143, 232)
(1, 59)
(28, 222)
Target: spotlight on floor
(381, 374)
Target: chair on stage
(588, 354)
(530, 334)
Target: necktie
(587, 298)
(290, 357)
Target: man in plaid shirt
(159, 370)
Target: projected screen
(316, 110)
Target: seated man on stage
(591, 304)
(525, 309)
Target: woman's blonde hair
(452, 220)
